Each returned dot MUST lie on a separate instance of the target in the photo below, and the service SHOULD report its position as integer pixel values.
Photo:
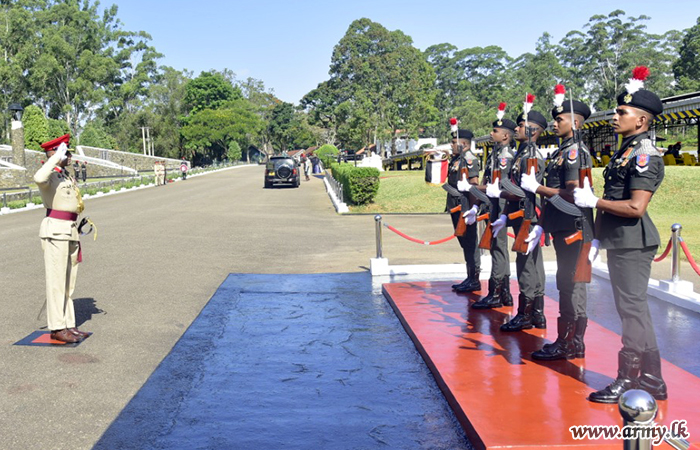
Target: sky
(288, 44)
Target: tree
(209, 132)
(209, 91)
(234, 152)
(36, 127)
(57, 128)
(279, 127)
(686, 69)
(94, 135)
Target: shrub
(327, 154)
(360, 184)
(36, 127)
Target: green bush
(36, 127)
(327, 154)
(360, 184)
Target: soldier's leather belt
(62, 215)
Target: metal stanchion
(29, 195)
(638, 409)
(4, 199)
(676, 252)
(378, 232)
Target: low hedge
(327, 154)
(360, 184)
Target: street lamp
(16, 110)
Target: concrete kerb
(31, 206)
(680, 293)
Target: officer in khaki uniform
(60, 239)
(624, 228)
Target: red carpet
(502, 397)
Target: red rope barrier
(692, 262)
(418, 241)
(665, 253)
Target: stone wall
(142, 163)
(10, 178)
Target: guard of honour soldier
(622, 226)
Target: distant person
(183, 168)
(165, 172)
(307, 168)
(83, 170)
(76, 170)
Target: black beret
(642, 99)
(534, 117)
(579, 108)
(463, 134)
(506, 124)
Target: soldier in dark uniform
(529, 266)
(561, 178)
(500, 159)
(464, 160)
(624, 228)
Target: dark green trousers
(572, 296)
(529, 269)
(468, 242)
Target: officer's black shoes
(493, 299)
(506, 298)
(538, 319)
(650, 375)
(579, 332)
(563, 347)
(472, 283)
(522, 320)
(629, 363)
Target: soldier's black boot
(650, 375)
(538, 319)
(563, 347)
(522, 320)
(466, 280)
(629, 363)
(493, 299)
(506, 297)
(472, 283)
(579, 346)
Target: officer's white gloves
(594, 251)
(498, 225)
(533, 239)
(463, 184)
(584, 197)
(492, 189)
(61, 151)
(528, 181)
(470, 216)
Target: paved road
(161, 253)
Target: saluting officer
(529, 265)
(463, 160)
(60, 239)
(562, 176)
(624, 228)
(501, 159)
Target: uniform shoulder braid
(645, 147)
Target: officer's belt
(66, 215)
(62, 215)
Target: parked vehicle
(282, 170)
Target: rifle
(584, 268)
(487, 236)
(528, 211)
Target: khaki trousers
(61, 266)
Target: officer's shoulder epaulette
(645, 147)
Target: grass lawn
(677, 201)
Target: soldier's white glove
(584, 197)
(492, 189)
(498, 225)
(463, 184)
(61, 151)
(533, 239)
(594, 251)
(528, 182)
(470, 216)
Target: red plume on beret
(640, 73)
(530, 98)
(559, 89)
(502, 106)
(453, 121)
(51, 145)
